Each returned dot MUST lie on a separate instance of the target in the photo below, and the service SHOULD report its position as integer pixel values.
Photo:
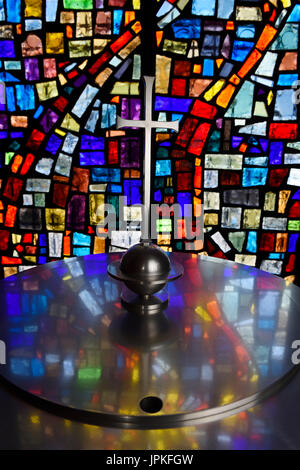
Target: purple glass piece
(76, 213)
(130, 152)
(3, 121)
(48, 120)
(219, 123)
(125, 108)
(236, 140)
(82, 79)
(31, 69)
(135, 108)
(264, 144)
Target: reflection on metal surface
(234, 329)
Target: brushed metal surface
(233, 329)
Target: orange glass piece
(219, 62)
(67, 246)
(197, 177)
(225, 96)
(230, 26)
(8, 260)
(10, 216)
(159, 36)
(129, 16)
(17, 162)
(69, 31)
(136, 27)
(266, 7)
(197, 68)
(266, 37)
(121, 41)
(19, 29)
(115, 99)
(234, 79)
(250, 62)
(243, 148)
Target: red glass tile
(230, 178)
(178, 86)
(295, 210)
(184, 181)
(113, 155)
(27, 164)
(60, 194)
(61, 103)
(283, 130)
(186, 132)
(121, 41)
(267, 242)
(35, 139)
(291, 264)
(203, 110)
(277, 176)
(4, 239)
(102, 59)
(13, 188)
(199, 138)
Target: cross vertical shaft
(148, 125)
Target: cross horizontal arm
(147, 124)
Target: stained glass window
(226, 69)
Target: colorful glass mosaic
(227, 70)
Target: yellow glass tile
(136, 4)
(163, 68)
(211, 219)
(60, 132)
(270, 97)
(47, 90)
(125, 88)
(251, 218)
(33, 8)
(10, 271)
(99, 45)
(270, 201)
(176, 47)
(16, 238)
(55, 43)
(67, 17)
(55, 219)
(96, 208)
(70, 123)
(209, 94)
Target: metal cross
(148, 125)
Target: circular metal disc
(232, 328)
